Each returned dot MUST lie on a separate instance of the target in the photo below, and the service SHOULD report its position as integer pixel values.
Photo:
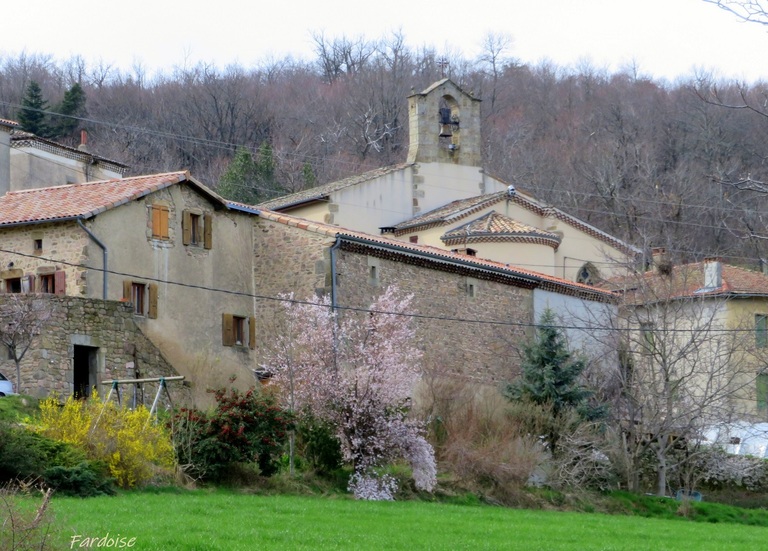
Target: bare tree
(22, 318)
(752, 11)
(682, 367)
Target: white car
(6, 386)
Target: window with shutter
(160, 214)
(252, 332)
(152, 306)
(227, 330)
(60, 282)
(208, 231)
(47, 283)
(761, 330)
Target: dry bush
(475, 438)
(24, 526)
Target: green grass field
(222, 520)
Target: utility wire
(290, 300)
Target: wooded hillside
(655, 163)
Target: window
(761, 330)
(471, 287)
(468, 252)
(37, 246)
(762, 392)
(649, 339)
(197, 228)
(160, 215)
(414, 239)
(13, 285)
(238, 331)
(588, 274)
(142, 296)
(47, 283)
(137, 298)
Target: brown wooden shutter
(208, 231)
(227, 330)
(186, 227)
(60, 282)
(127, 290)
(31, 283)
(252, 332)
(152, 311)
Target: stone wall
(65, 242)
(466, 326)
(471, 327)
(106, 325)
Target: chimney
(713, 273)
(83, 141)
(661, 260)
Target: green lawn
(227, 521)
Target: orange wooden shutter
(60, 282)
(208, 231)
(152, 311)
(252, 332)
(227, 330)
(186, 227)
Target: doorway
(84, 362)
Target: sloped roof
(687, 281)
(322, 192)
(21, 138)
(88, 199)
(497, 227)
(439, 255)
(463, 208)
(9, 123)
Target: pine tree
(32, 116)
(550, 378)
(72, 107)
(250, 180)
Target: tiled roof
(85, 200)
(465, 207)
(20, 138)
(6, 122)
(497, 227)
(687, 281)
(451, 212)
(322, 192)
(548, 282)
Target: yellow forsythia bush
(135, 451)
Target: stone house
(165, 244)
(442, 197)
(28, 161)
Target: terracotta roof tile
(10, 123)
(687, 280)
(79, 200)
(550, 282)
(497, 227)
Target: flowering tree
(357, 373)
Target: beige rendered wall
(188, 327)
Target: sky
(661, 39)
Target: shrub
(134, 449)
(317, 443)
(243, 428)
(85, 479)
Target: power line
(284, 299)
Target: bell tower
(444, 124)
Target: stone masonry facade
(451, 303)
(104, 325)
